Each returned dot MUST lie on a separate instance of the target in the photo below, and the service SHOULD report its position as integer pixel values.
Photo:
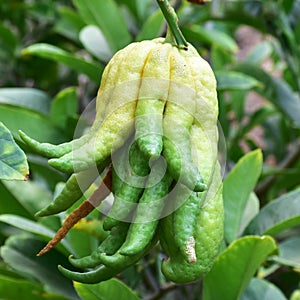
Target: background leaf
(11, 288)
(26, 97)
(63, 107)
(111, 23)
(275, 90)
(213, 37)
(238, 186)
(29, 194)
(8, 40)
(108, 290)
(289, 252)
(91, 69)
(38, 125)
(69, 24)
(233, 269)
(259, 289)
(34, 228)
(277, 216)
(152, 27)
(94, 41)
(228, 80)
(20, 251)
(13, 162)
(251, 210)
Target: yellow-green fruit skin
(208, 234)
(208, 238)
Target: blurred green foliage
(52, 54)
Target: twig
(82, 211)
(172, 20)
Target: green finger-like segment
(208, 233)
(118, 123)
(116, 182)
(147, 217)
(99, 148)
(123, 206)
(206, 113)
(103, 96)
(185, 222)
(178, 120)
(73, 190)
(153, 94)
(104, 272)
(110, 245)
(118, 260)
(130, 191)
(208, 238)
(177, 152)
(148, 122)
(46, 149)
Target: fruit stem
(172, 20)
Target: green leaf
(69, 23)
(237, 13)
(259, 289)
(38, 125)
(107, 290)
(35, 228)
(91, 69)
(251, 210)
(64, 106)
(26, 97)
(92, 228)
(29, 194)
(277, 216)
(234, 268)
(9, 204)
(8, 40)
(94, 41)
(42, 11)
(20, 251)
(214, 37)
(238, 186)
(289, 253)
(107, 16)
(229, 80)
(219, 58)
(140, 10)
(275, 90)
(262, 51)
(44, 175)
(152, 27)
(143, 9)
(13, 162)
(81, 243)
(11, 288)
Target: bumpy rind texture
(182, 87)
(208, 234)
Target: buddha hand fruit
(156, 124)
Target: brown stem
(82, 211)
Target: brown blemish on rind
(190, 250)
